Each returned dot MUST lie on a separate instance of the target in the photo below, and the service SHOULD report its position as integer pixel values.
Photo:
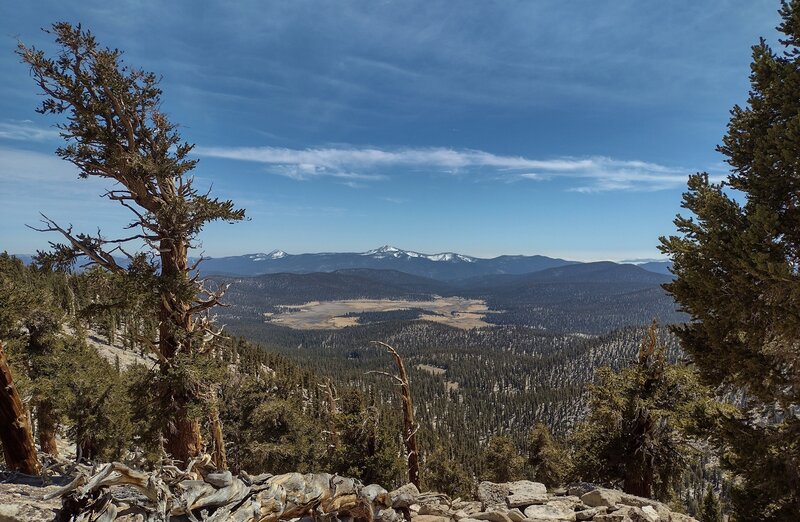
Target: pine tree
(115, 131)
(547, 458)
(446, 475)
(737, 266)
(639, 422)
(502, 461)
(711, 510)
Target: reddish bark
(15, 429)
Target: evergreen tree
(446, 475)
(737, 267)
(502, 461)
(711, 510)
(115, 131)
(548, 459)
(636, 430)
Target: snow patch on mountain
(275, 254)
(390, 251)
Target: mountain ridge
(442, 266)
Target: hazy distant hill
(446, 266)
(586, 298)
(259, 293)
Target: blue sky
(486, 128)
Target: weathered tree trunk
(183, 439)
(219, 457)
(15, 429)
(409, 425)
(46, 424)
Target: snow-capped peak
(275, 254)
(390, 251)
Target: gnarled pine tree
(115, 130)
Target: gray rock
(579, 489)
(389, 515)
(651, 514)
(435, 509)
(629, 514)
(469, 507)
(516, 515)
(404, 496)
(680, 517)
(524, 493)
(492, 495)
(23, 503)
(569, 502)
(602, 497)
(492, 516)
(431, 518)
(549, 513)
(588, 514)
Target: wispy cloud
(589, 174)
(25, 130)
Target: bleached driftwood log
(203, 493)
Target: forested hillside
(478, 383)
(591, 298)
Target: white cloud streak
(589, 174)
(24, 130)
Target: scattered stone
(679, 517)
(492, 495)
(435, 509)
(578, 489)
(404, 496)
(23, 503)
(541, 513)
(492, 516)
(524, 493)
(588, 514)
(129, 495)
(570, 502)
(602, 497)
(469, 507)
(651, 514)
(431, 518)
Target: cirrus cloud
(586, 174)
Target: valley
(452, 311)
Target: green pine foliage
(548, 459)
(737, 266)
(445, 474)
(711, 510)
(635, 433)
(502, 461)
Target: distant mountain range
(445, 266)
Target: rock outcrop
(117, 492)
(526, 501)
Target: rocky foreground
(116, 492)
